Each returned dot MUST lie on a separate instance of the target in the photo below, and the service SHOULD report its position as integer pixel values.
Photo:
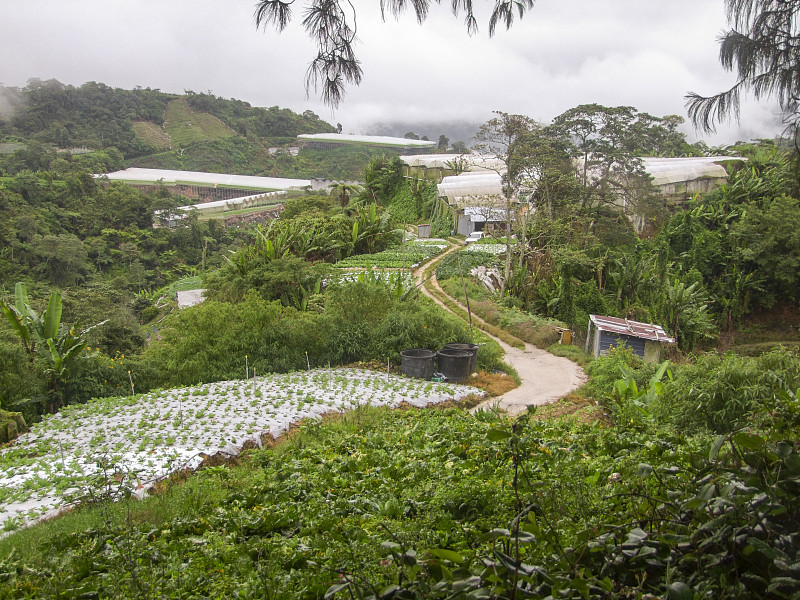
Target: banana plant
(32, 328)
(46, 335)
(633, 404)
(299, 297)
(273, 243)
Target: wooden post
(466, 297)
(588, 336)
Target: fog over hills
(455, 131)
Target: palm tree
(344, 191)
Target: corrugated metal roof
(646, 331)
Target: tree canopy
(333, 27)
(761, 48)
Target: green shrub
(575, 354)
(490, 355)
(404, 207)
(361, 321)
(607, 369)
(469, 260)
(721, 393)
(365, 321)
(148, 314)
(19, 378)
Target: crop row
(144, 438)
(494, 248)
(396, 258)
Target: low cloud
(562, 54)
(10, 101)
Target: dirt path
(545, 377)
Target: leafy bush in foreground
(444, 504)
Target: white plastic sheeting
(460, 189)
(235, 203)
(473, 162)
(199, 178)
(665, 171)
(486, 184)
(187, 298)
(479, 214)
(150, 436)
(381, 140)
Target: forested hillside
(150, 128)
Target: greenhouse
(332, 140)
(681, 178)
(218, 208)
(471, 187)
(197, 178)
(676, 178)
(437, 166)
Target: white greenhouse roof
(213, 179)
(231, 203)
(663, 170)
(486, 183)
(457, 188)
(381, 140)
(672, 170)
(474, 162)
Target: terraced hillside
(184, 126)
(153, 134)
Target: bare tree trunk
(507, 270)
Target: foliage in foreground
(444, 504)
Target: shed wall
(637, 345)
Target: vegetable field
(138, 440)
(415, 254)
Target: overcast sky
(564, 53)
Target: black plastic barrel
(454, 364)
(473, 348)
(418, 362)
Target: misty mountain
(455, 131)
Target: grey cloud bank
(612, 52)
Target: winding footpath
(545, 377)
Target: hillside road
(545, 377)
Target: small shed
(480, 218)
(644, 339)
